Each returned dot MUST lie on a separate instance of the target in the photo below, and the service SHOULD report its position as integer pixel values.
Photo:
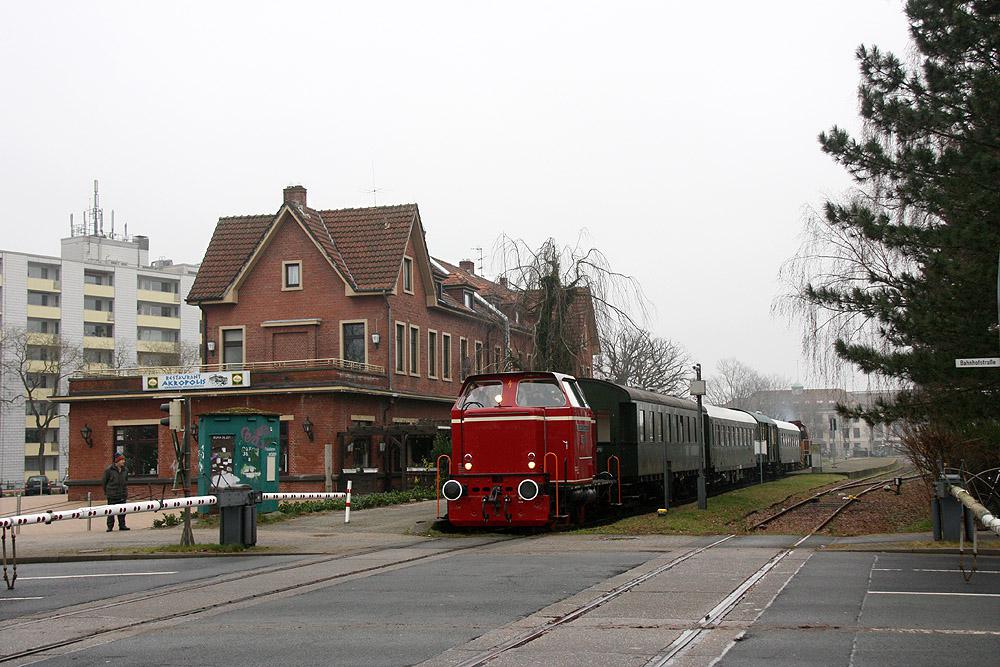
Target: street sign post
(980, 362)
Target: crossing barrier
(980, 511)
(9, 523)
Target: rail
(304, 364)
(980, 511)
(437, 480)
(545, 465)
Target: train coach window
(540, 394)
(481, 395)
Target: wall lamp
(376, 338)
(87, 434)
(307, 426)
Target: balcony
(157, 297)
(159, 347)
(44, 312)
(43, 285)
(313, 365)
(43, 339)
(51, 449)
(98, 343)
(101, 291)
(99, 316)
(157, 322)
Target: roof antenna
(479, 250)
(374, 190)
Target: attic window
(408, 275)
(291, 275)
(468, 300)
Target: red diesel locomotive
(522, 444)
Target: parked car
(37, 485)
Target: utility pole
(698, 390)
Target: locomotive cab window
(540, 394)
(481, 395)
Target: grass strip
(723, 513)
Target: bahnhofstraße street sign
(981, 362)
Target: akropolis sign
(177, 381)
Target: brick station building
(350, 331)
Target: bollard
(17, 529)
(347, 506)
(90, 503)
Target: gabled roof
(231, 246)
(366, 245)
(372, 241)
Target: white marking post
(347, 509)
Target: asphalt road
(422, 602)
(879, 609)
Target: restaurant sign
(180, 381)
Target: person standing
(116, 489)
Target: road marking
(903, 569)
(12, 599)
(93, 576)
(968, 595)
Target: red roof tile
(365, 244)
(232, 244)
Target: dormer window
(468, 300)
(408, 275)
(291, 278)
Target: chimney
(503, 281)
(468, 266)
(295, 194)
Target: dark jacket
(115, 483)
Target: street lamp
(87, 434)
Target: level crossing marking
(92, 576)
(968, 595)
(37, 597)
(903, 569)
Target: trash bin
(237, 514)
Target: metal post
(90, 503)
(328, 467)
(666, 477)
(187, 535)
(702, 495)
(17, 529)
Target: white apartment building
(103, 295)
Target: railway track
(827, 503)
(12, 625)
(708, 622)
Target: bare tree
(560, 286)
(631, 356)
(38, 365)
(734, 383)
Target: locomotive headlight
(452, 490)
(468, 462)
(531, 465)
(531, 460)
(527, 489)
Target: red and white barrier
(346, 497)
(157, 505)
(106, 510)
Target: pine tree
(919, 241)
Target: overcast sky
(680, 135)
